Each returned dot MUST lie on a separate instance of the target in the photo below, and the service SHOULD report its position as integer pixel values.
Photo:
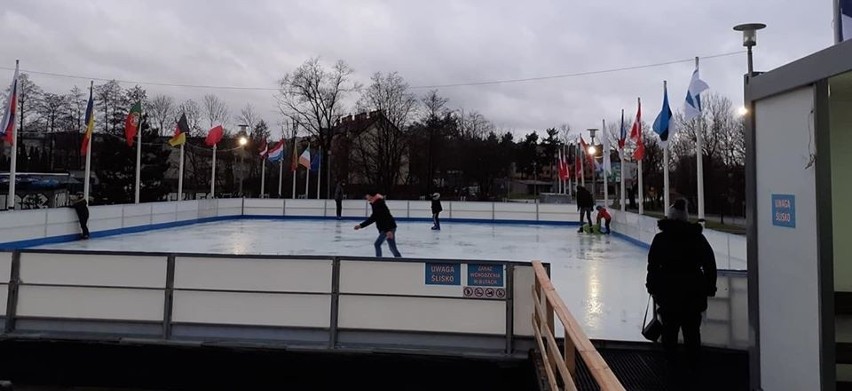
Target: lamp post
(592, 152)
(242, 140)
(750, 40)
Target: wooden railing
(548, 302)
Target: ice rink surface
(600, 278)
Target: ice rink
(600, 278)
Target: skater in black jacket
(436, 210)
(385, 223)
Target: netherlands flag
(277, 152)
(7, 127)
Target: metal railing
(547, 303)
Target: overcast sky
(253, 43)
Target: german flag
(181, 130)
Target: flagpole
(621, 155)
(319, 172)
(666, 164)
(281, 177)
(262, 175)
(699, 155)
(88, 171)
(13, 165)
(180, 175)
(605, 146)
(213, 174)
(838, 25)
(294, 167)
(582, 166)
(138, 153)
(641, 190)
(308, 174)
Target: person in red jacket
(604, 215)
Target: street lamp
(750, 40)
(592, 151)
(242, 140)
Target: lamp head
(749, 32)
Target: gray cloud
(254, 43)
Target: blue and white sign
(484, 275)
(443, 274)
(784, 210)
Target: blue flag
(315, 162)
(663, 124)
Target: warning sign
(484, 275)
(489, 292)
(501, 293)
(478, 292)
(468, 291)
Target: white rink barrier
(729, 249)
(327, 302)
(27, 228)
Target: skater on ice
(436, 210)
(603, 215)
(81, 207)
(585, 203)
(385, 223)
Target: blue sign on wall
(443, 274)
(484, 275)
(784, 210)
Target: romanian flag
(7, 127)
(90, 124)
(214, 136)
(131, 123)
(181, 130)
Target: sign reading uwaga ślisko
(443, 274)
(784, 210)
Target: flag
(264, 149)
(636, 135)
(563, 167)
(578, 166)
(664, 123)
(90, 124)
(315, 162)
(131, 123)
(295, 163)
(214, 136)
(181, 130)
(622, 136)
(7, 127)
(845, 19)
(276, 153)
(567, 172)
(692, 105)
(305, 159)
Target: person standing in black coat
(585, 204)
(81, 207)
(385, 223)
(338, 198)
(436, 210)
(681, 276)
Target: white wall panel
(247, 274)
(4, 294)
(5, 266)
(259, 309)
(90, 303)
(397, 278)
(523, 301)
(789, 277)
(93, 270)
(422, 314)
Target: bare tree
(313, 96)
(77, 100)
(248, 116)
(52, 108)
(108, 96)
(381, 152)
(474, 125)
(215, 110)
(162, 110)
(29, 98)
(434, 105)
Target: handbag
(653, 329)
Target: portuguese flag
(131, 124)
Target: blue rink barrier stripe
(636, 242)
(8, 246)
